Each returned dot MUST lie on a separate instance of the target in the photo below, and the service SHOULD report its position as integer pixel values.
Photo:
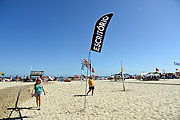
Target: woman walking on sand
(38, 87)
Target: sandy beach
(4, 85)
(141, 100)
(8, 95)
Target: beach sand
(140, 101)
(8, 95)
(4, 85)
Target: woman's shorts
(91, 88)
(38, 94)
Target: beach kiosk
(36, 74)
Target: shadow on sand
(17, 109)
(15, 118)
(80, 95)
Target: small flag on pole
(177, 69)
(93, 70)
(86, 63)
(82, 61)
(82, 68)
(157, 70)
(90, 66)
(175, 63)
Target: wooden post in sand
(122, 76)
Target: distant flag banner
(175, 63)
(93, 70)
(177, 69)
(89, 65)
(157, 70)
(82, 61)
(82, 67)
(99, 32)
(86, 63)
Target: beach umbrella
(134, 75)
(76, 75)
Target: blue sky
(55, 35)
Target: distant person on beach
(28, 78)
(38, 87)
(17, 78)
(24, 79)
(115, 78)
(91, 85)
(10, 78)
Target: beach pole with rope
(86, 81)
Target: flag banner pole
(86, 82)
(122, 76)
(90, 67)
(81, 75)
(97, 40)
(164, 75)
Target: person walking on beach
(10, 78)
(91, 85)
(38, 87)
(17, 78)
(24, 79)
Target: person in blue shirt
(38, 87)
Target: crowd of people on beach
(18, 78)
(147, 77)
(34, 78)
(156, 77)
